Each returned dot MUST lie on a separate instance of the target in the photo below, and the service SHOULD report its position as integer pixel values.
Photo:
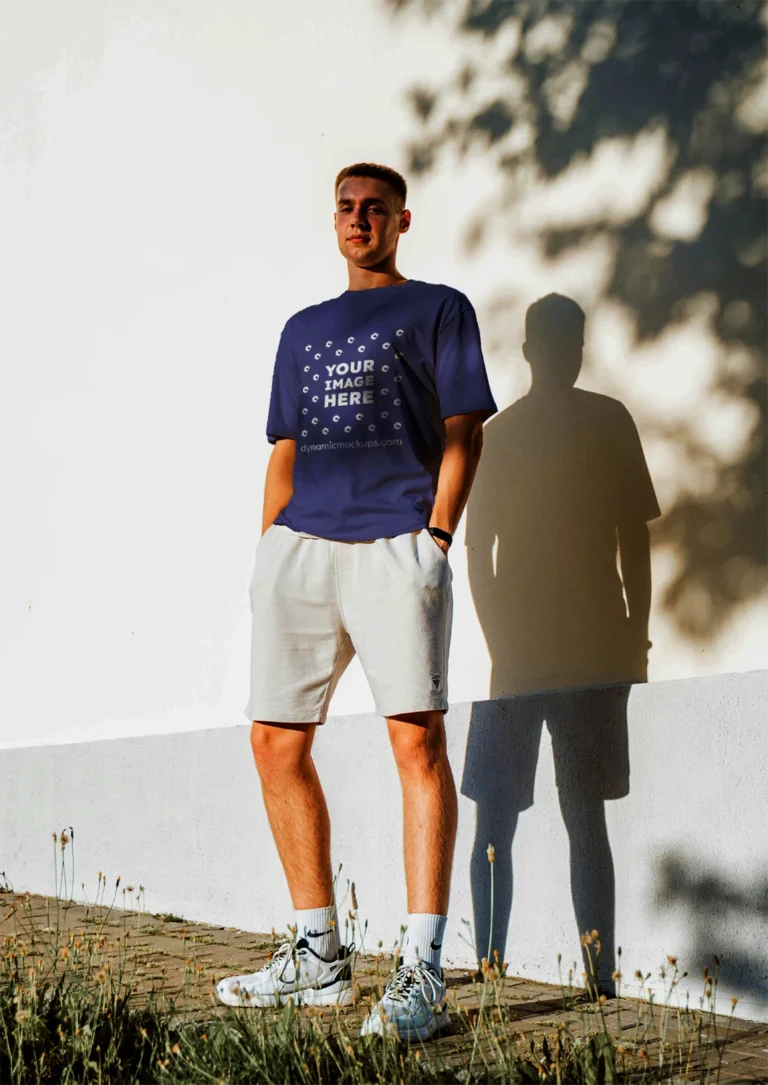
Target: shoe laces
(409, 976)
(279, 958)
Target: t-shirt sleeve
(460, 375)
(636, 495)
(283, 415)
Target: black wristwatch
(438, 533)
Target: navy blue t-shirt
(363, 383)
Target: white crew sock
(320, 927)
(424, 939)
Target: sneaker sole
(337, 994)
(423, 1032)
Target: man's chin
(360, 256)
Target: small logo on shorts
(436, 681)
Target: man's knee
(418, 743)
(279, 748)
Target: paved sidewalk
(184, 960)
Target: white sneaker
(294, 973)
(413, 1006)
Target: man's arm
(278, 486)
(635, 557)
(464, 443)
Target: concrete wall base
(679, 843)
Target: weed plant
(72, 1010)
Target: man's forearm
(278, 484)
(464, 443)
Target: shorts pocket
(263, 547)
(436, 545)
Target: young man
(376, 414)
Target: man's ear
(527, 352)
(405, 221)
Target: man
(376, 414)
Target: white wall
(166, 193)
(182, 816)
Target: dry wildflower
(672, 961)
(639, 975)
(129, 888)
(175, 1050)
(616, 976)
(642, 1053)
(64, 953)
(716, 959)
(55, 837)
(353, 896)
(603, 1000)
(586, 939)
(64, 839)
(379, 943)
(22, 1015)
(143, 1032)
(733, 1003)
(595, 935)
(491, 853)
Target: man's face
(368, 220)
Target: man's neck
(366, 278)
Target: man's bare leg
(429, 808)
(296, 809)
(314, 967)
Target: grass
(72, 1010)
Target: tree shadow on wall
(545, 88)
(562, 487)
(718, 914)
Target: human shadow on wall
(561, 488)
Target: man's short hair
(379, 173)
(553, 317)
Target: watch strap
(438, 533)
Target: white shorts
(315, 602)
